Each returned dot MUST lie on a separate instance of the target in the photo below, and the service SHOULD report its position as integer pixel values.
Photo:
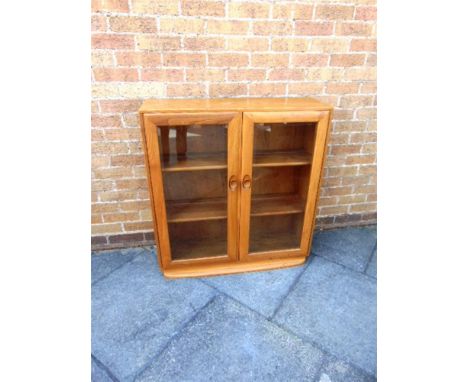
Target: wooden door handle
(233, 183)
(246, 182)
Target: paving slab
(335, 370)
(372, 267)
(135, 311)
(335, 308)
(351, 247)
(228, 342)
(105, 262)
(98, 374)
(260, 291)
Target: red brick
(105, 228)
(126, 238)
(360, 159)
(205, 74)
(290, 44)
(109, 5)
(139, 226)
(248, 44)
(122, 134)
(349, 126)
(362, 45)
(347, 59)
(112, 41)
(353, 101)
(268, 28)
(287, 74)
(367, 113)
(247, 75)
(115, 74)
(306, 60)
(97, 135)
(184, 59)
(293, 11)
(157, 7)
(131, 184)
(113, 173)
(366, 13)
(371, 60)
(144, 59)
(151, 42)
(267, 89)
(105, 120)
(98, 23)
(248, 10)
(228, 90)
(181, 25)
(312, 28)
(127, 160)
(116, 106)
(228, 59)
(342, 87)
(353, 29)
(204, 43)
(119, 217)
(186, 90)
(109, 148)
(334, 12)
(171, 75)
(132, 24)
(345, 149)
(305, 89)
(269, 60)
(202, 8)
(227, 27)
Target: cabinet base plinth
(232, 268)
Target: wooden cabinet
(233, 182)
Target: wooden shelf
(202, 248)
(273, 242)
(216, 208)
(194, 162)
(282, 158)
(187, 211)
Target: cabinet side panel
(320, 147)
(157, 191)
(330, 115)
(148, 176)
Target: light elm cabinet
(234, 183)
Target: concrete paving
(312, 323)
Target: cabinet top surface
(233, 104)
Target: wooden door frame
(150, 121)
(322, 119)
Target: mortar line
(178, 334)
(373, 252)
(115, 269)
(292, 286)
(290, 332)
(104, 368)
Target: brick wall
(205, 49)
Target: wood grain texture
(276, 184)
(225, 268)
(233, 104)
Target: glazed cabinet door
(282, 156)
(194, 165)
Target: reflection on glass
(194, 167)
(280, 179)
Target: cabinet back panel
(282, 136)
(195, 185)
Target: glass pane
(194, 167)
(280, 179)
